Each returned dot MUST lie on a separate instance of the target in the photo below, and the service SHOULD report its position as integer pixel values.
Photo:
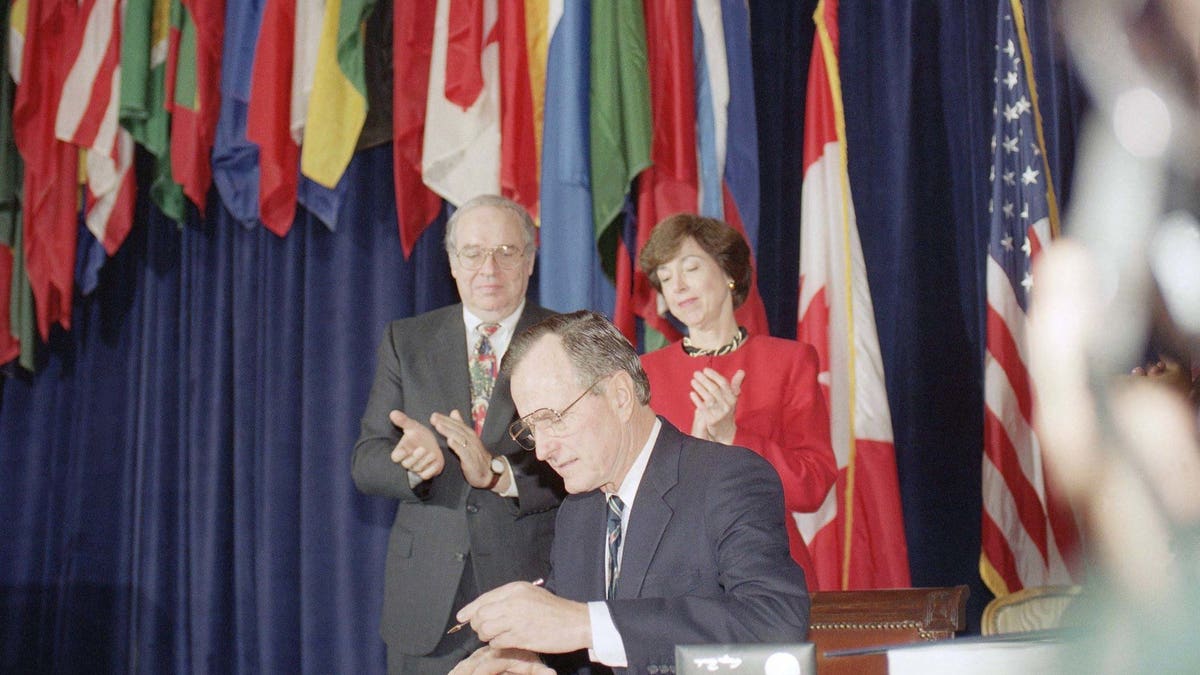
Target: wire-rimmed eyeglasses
(506, 256)
(546, 420)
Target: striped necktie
(483, 369)
(615, 508)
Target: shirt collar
(629, 487)
(508, 324)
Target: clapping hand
(418, 449)
(462, 441)
(716, 400)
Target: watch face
(497, 465)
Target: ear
(529, 263)
(622, 395)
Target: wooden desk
(843, 620)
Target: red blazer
(781, 414)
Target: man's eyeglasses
(545, 420)
(505, 255)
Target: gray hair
(593, 345)
(514, 209)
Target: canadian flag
(856, 537)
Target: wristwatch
(498, 466)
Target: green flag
(619, 121)
(143, 92)
(20, 301)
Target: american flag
(1027, 535)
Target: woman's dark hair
(726, 245)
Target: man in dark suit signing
(665, 539)
(475, 511)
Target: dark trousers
(452, 648)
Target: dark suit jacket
(705, 555)
(422, 368)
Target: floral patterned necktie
(483, 368)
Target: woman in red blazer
(722, 384)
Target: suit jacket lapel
(651, 513)
(451, 365)
(592, 535)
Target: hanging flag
(194, 77)
(16, 300)
(282, 80)
(538, 28)
(856, 538)
(305, 51)
(91, 50)
(518, 143)
(741, 141)
(323, 202)
(88, 117)
(620, 117)
(10, 345)
(619, 122)
(378, 55)
(145, 36)
(235, 158)
(338, 105)
(18, 327)
(1028, 535)
(51, 166)
(460, 157)
(109, 197)
(412, 40)
(671, 183)
(464, 46)
(268, 116)
(15, 19)
(690, 99)
(714, 102)
(568, 238)
(10, 204)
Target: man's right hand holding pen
(463, 622)
(523, 616)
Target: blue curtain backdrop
(174, 481)
(918, 85)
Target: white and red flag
(460, 156)
(856, 538)
(88, 117)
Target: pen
(458, 626)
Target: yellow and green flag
(338, 106)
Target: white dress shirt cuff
(607, 646)
(511, 490)
(414, 480)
